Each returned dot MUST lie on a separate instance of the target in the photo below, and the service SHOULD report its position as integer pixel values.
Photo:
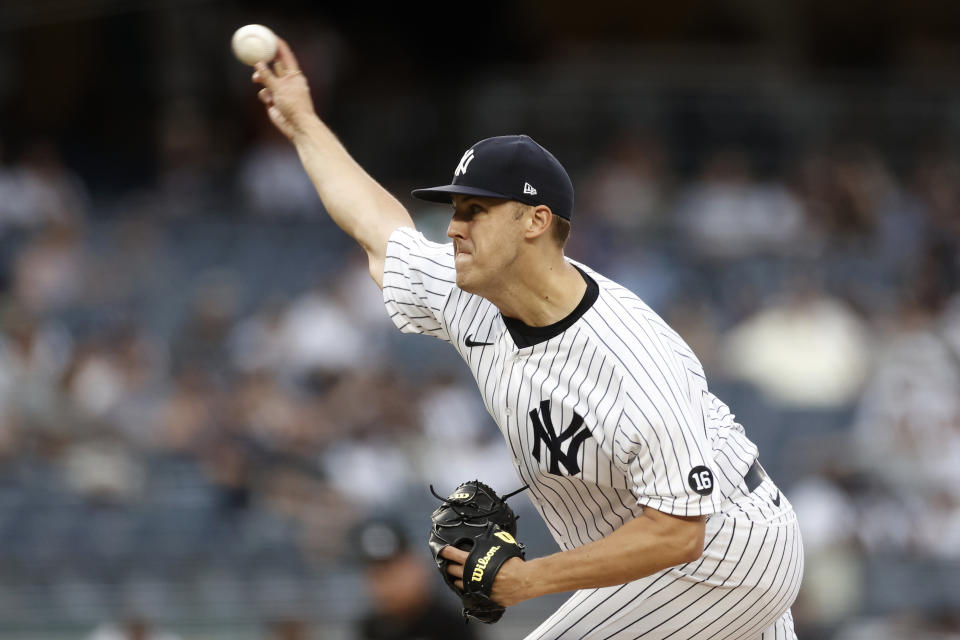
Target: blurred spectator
(459, 439)
(269, 414)
(203, 339)
(867, 227)
(364, 303)
(190, 411)
(807, 349)
(847, 190)
(318, 335)
(832, 577)
(256, 342)
(104, 470)
(58, 193)
(96, 382)
(323, 513)
(892, 490)
(725, 213)
(628, 188)
(402, 586)
(40, 189)
(364, 466)
(375, 417)
(329, 330)
(49, 273)
(130, 265)
(120, 380)
(34, 355)
(272, 181)
(909, 418)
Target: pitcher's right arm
(355, 201)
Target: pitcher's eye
(468, 212)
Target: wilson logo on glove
(482, 564)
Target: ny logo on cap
(464, 163)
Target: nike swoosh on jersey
(776, 501)
(470, 343)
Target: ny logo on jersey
(543, 431)
(464, 163)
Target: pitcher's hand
(285, 91)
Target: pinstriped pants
(741, 588)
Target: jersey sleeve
(418, 277)
(662, 446)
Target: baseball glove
(475, 519)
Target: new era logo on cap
(508, 167)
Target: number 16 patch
(701, 480)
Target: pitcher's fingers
(266, 96)
(285, 57)
(456, 555)
(456, 570)
(263, 75)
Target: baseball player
(667, 524)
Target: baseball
(254, 43)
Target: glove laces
(453, 504)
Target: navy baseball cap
(511, 167)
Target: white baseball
(254, 43)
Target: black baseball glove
(475, 519)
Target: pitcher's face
(487, 236)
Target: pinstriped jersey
(609, 413)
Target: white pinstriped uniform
(604, 414)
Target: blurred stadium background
(200, 393)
